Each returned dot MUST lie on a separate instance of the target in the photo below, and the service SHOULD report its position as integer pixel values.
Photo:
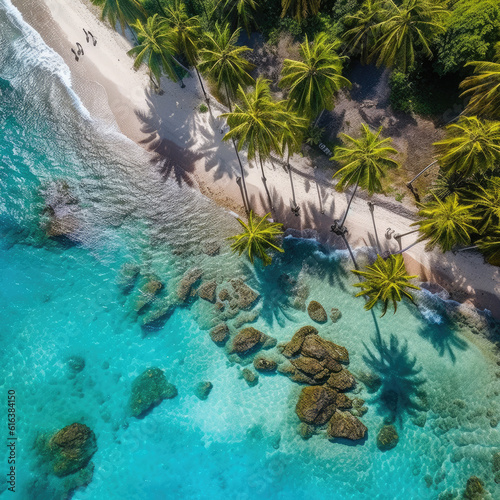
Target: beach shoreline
(188, 145)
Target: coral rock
(245, 296)
(220, 333)
(207, 291)
(387, 438)
(317, 312)
(203, 390)
(184, 289)
(262, 364)
(316, 405)
(342, 381)
(316, 347)
(345, 425)
(293, 347)
(251, 378)
(335, 314)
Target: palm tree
(361, 37)
(122, 12)
(313, 82)
(483, 88)
(154, 48)
(364, 161)
(470, 146)
(490, 247)
(259, 236)
(185, 33)
(486, 202)
(445, 223)
(386, 281)
(221, 60)
(404, 29)
(254, 123)
(241, 10)
(300, 9)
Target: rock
(342, 381)
(319, 348)
(219, 306)
(245, 296)
(293, 347)
(371, 381)
(71, 449)
(207, 291)
(317, 312)
(300, 292)
(249, 340)
(224, 295)
(220, 333)
(420, 419)
(262, 364)
(474, 490)
(316, 405)
(305, 431)
(345, 425)
(76, 364)
(250, 377)
(127, 277)
(148, 390)
(246, 317)
(496, 462)
(147, 293)
(158, 315)
(335, 315)
(62, 208)
(185, 287)
(342, 401)
(203, 390)
(311, 367)
(387, 438)
(211, 248)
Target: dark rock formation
(317, 312)
(148, 390)
(147, 293)
(71, 449)
(342, 381)
(185, 287)
(127, 277)
(207, 291)
(305, 431)
(387, 438)
(224, 295)
(76, 364)
(311, 367)
(335, 315)
(316, 347)
(220, 333)
(358, 408)
(62, 209)
(244, 295)
(316, 405)
(345, 425)
(293, 347)
(211, 248)
(246, 317)
(371, 381)
(249, 340)
(251, 378)
(474, 490)
(203, 390)
(263, 364)
(342, 401)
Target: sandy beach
(189, 143)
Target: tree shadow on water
(444, 339)
(400, 377)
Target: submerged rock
(371, 381)
(127, 277)
(211, 248)
(317, 312)
(305, 431)
(311, 367)
(246, 317)
(324, 350)
(387, 438)
(62, 208)
(149, 389)
(244, 295)
(207, 291)
(335, 314)
(203, 389)
(342, 381)
(76, 364)
(263, 364)
(316, 405)
(249, 340)
(474, 490)
(250, 377)
(185, 287)
(345, 425)
(71, 449)
(220, 333)
(147, 293)
(293, 347)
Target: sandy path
(192, 150)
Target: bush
(203, 108)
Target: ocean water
(59, 298)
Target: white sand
(172, 125)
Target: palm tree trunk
(318, 118)
(295, 208)
(421, 172)
(227, 97)
(265, 184)
(202, 86)
(350, 201)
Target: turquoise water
(60, 299)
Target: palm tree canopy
(405, 28)
(241, 10)
(313, 81)
(483, 88)
(364, 161)
(300, 9)
(386, 281)
(121, 11)
(154, 48)
(445, 223)
(486, 202)
(185, 32)
(255, 121)
(223, 60)
(470, 146)
(293, 129)
(490, 247)
(258, 238)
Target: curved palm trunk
(409, 185)
(296, 208)
(264, 180)
(202, 86)
(350, 201)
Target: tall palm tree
(185, 33)
(222, 60)
(154, 49)
(405, 28)
(364, 161)
(300, 9)
(445, 224)
(490, 247)
(242, 11)
(121, 12)
(360, 38)
(470, 146)
(313, 81)
(486, 202)
(386, 281)
(258, 238)
(254, 124)
(483, 87)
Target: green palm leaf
(121, 12)
(486, 204)
(490, 246)
(300, 9)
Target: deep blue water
(60, 299)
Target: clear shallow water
(60, 299)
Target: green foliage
(486, 200)
(386, 281)
(300, 9)
(364, 161)
(258, 238)
(239, 13)
(121, 12)
(285, 25)
(314, 135)
(471, 33)
(490, 247)
(203, 108)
